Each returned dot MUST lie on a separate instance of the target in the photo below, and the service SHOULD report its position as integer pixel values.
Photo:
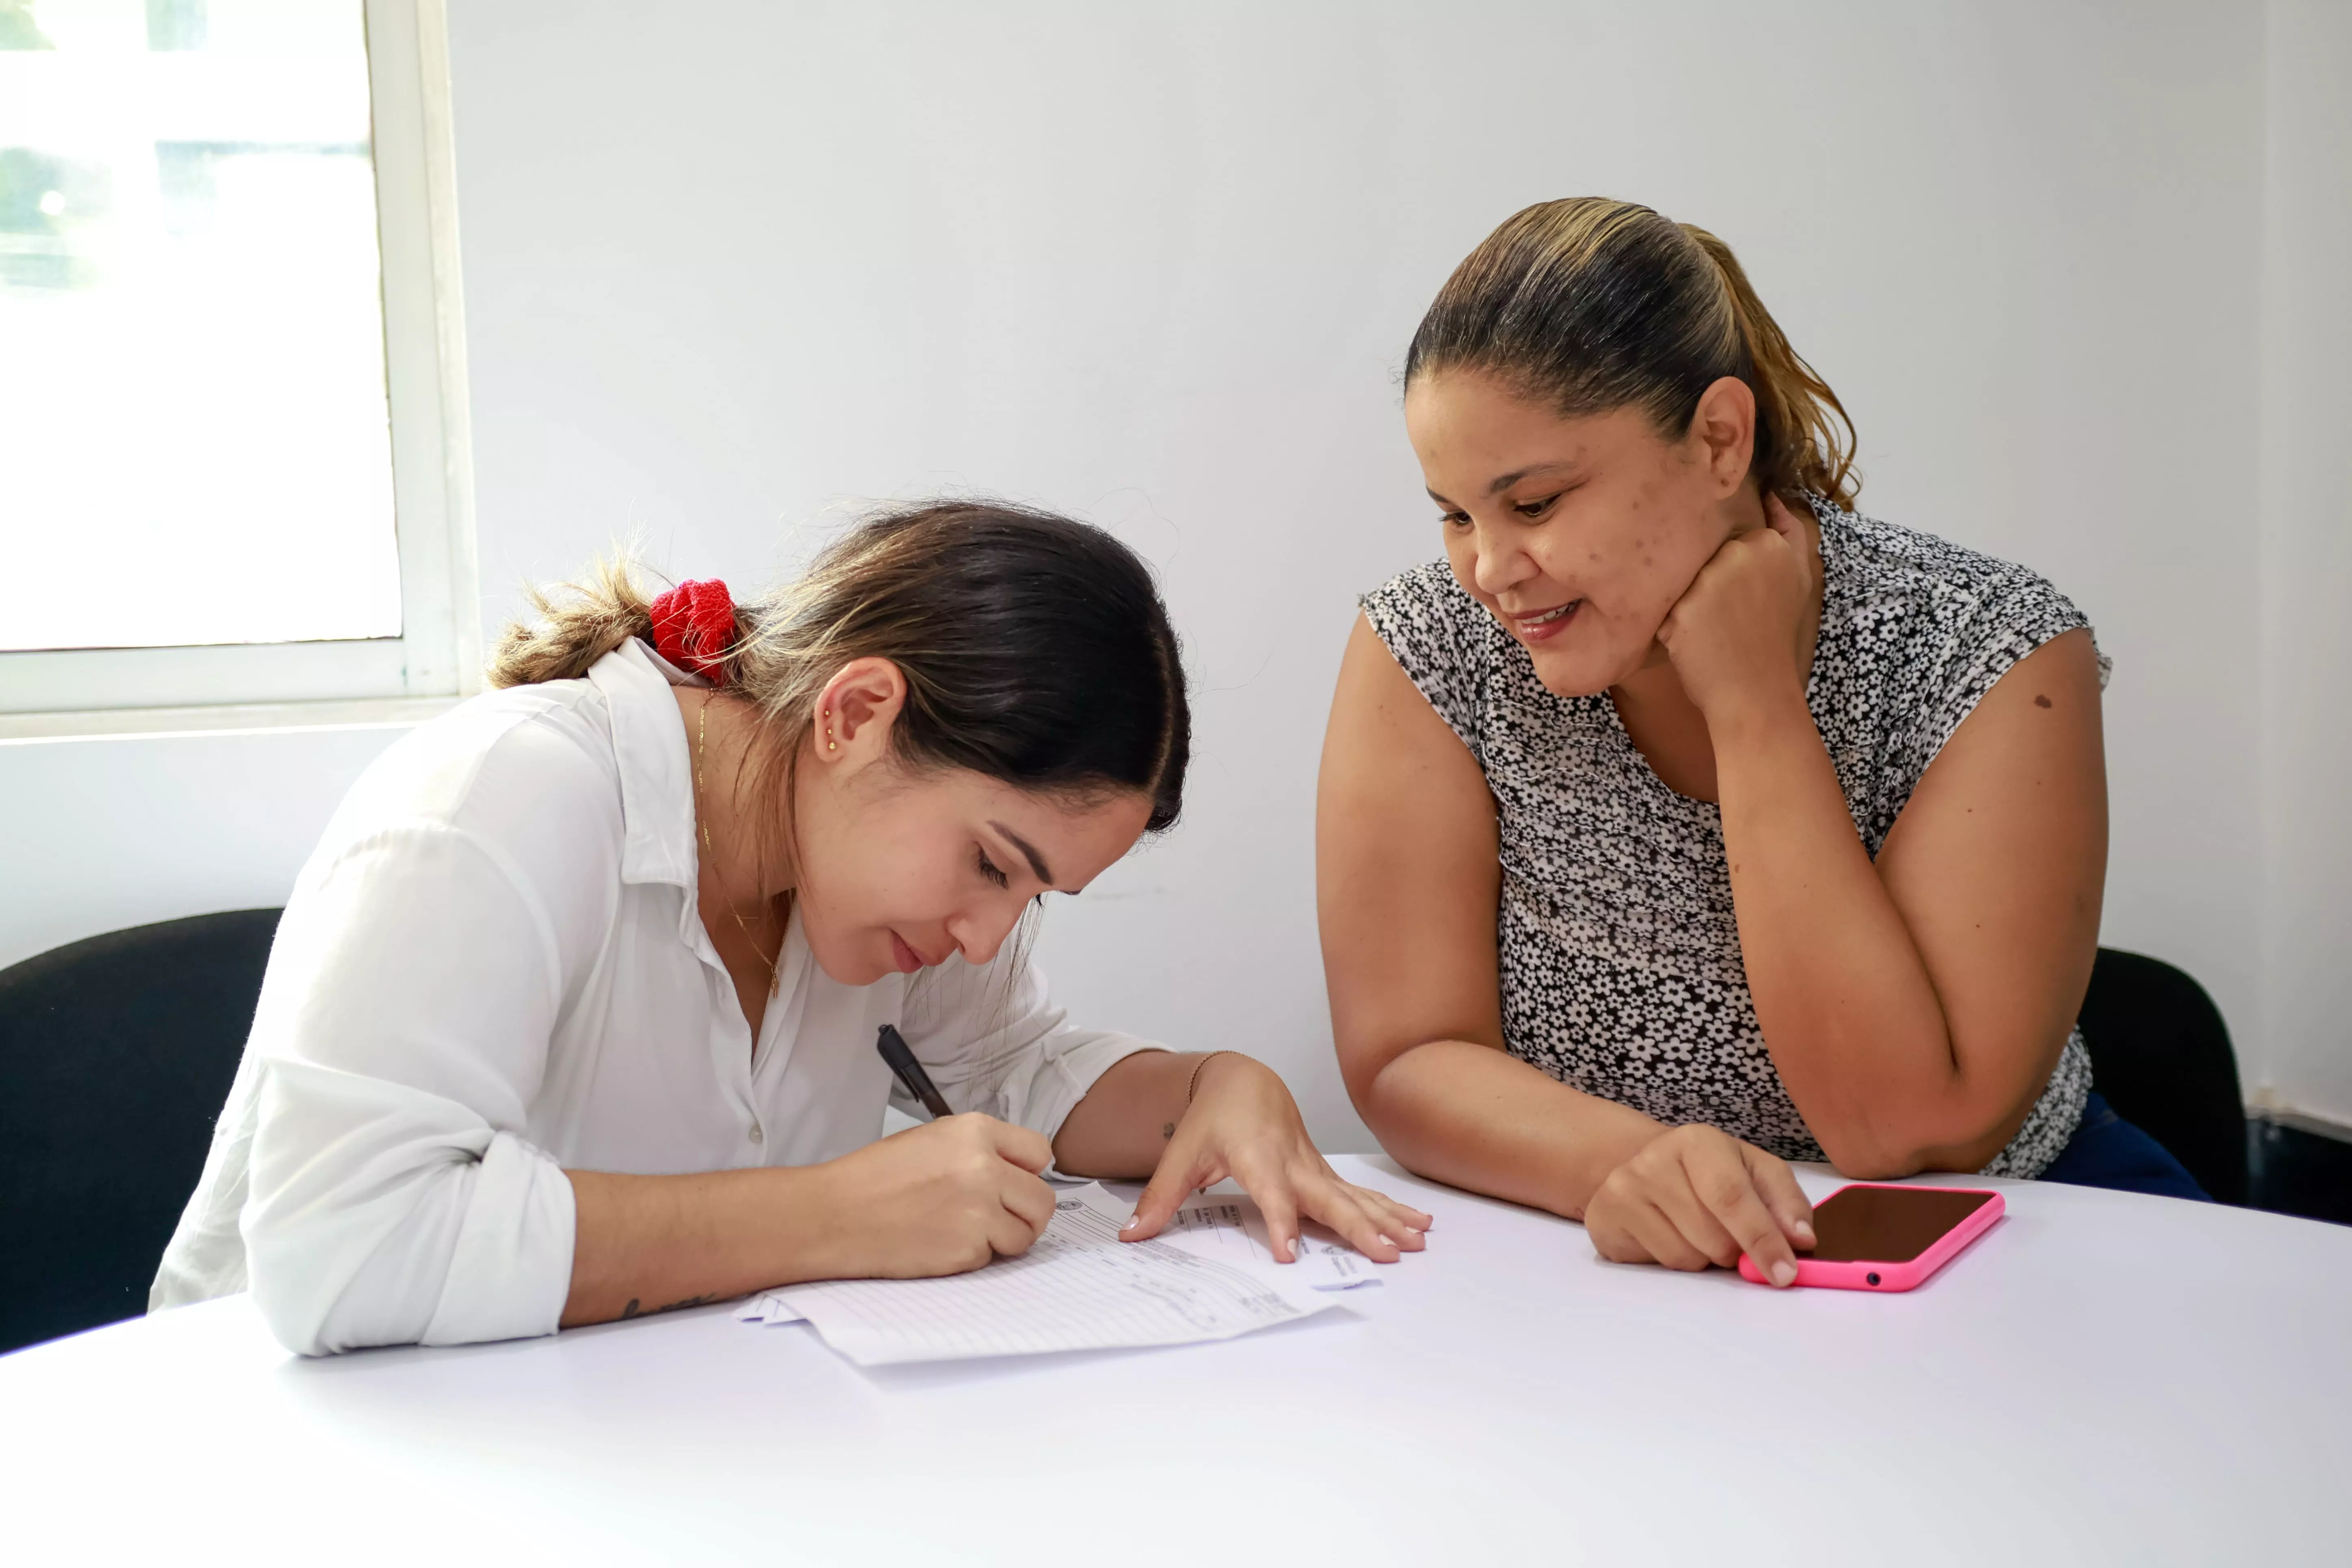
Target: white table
(2103, 1378)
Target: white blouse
(491, 969)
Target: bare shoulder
(2001, 850)
(1406, 869)
(1377, 705)
(2044, 708)
(1392, 765)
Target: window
(232, 455)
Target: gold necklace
(702, 821)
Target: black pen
(893, 1046)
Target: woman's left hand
(1745, 622)
(1243, 1123)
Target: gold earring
(828, 733)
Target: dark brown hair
(1036, 650)
(1592, 305)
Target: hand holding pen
(941, 1198)
(911, 1074)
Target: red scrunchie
(694, 626)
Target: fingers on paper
(1009, 1236)
(1025, 1205)
(1375, 1224)
(1395, 1214)
(1178, 1177)
(1280, 1203)
(1030, 1198)
(1334, 1204)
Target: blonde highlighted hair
(1590, 305)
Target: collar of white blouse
(649, 747)
(651, 751)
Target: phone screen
(1887, 1225)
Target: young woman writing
(1682, 822)
(572, 1015)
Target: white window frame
(437, 658)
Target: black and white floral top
(1620, 955)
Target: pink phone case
(1867, 1276)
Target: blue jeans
(2109, 1152)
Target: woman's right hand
(1695, 1195)
(941, 1198)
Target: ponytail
(578, 624)
(1036, 650)
(1591, 305)
(1798, 449)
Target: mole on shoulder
(2040, 701)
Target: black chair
(2160, 1054)
(115, 1056)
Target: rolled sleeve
(391, 1197)
(510, 1272)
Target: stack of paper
(1211, 1276)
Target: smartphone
(1876, 1236)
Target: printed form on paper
(1211, 1275)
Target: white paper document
(1078, 1287)
(1234, 1230)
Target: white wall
(732, 268)
(2306, 520)
(96, 835)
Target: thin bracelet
(1204, 1061)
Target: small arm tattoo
(634, 1309)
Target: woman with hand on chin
(1682, 822)
(572, 1015)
